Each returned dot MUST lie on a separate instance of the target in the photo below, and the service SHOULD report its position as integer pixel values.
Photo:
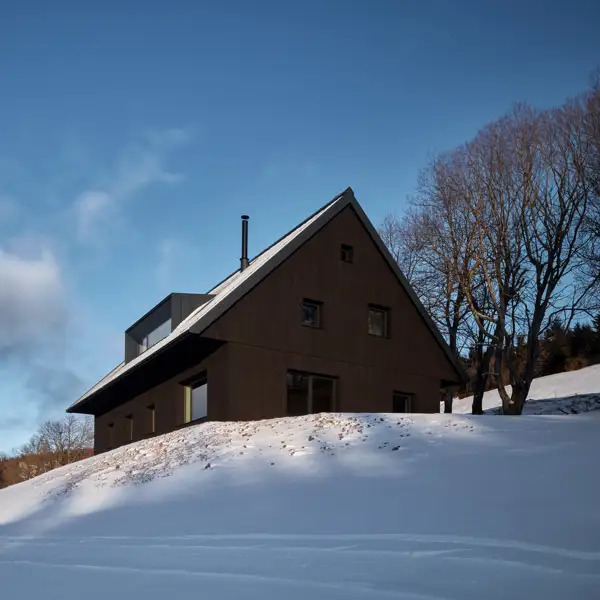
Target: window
(311, 313)
(378, 321)
(129, 423)
(111, 435)
(152, 419)
(307, 394)
(347, 253)
(401, 402)
(157, 334)
(196, 400)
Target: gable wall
(269, 315)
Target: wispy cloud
(34, 319)
(139, 166)
(32, 298)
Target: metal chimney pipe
(244, 260)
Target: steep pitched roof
(235, 286)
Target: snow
(331, 506)
(564, 393)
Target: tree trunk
(517, 399)
(448, 401)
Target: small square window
(378, 322)
(311, 313)
(402, 403)
(347, 253)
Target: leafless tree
(529, 200)
(591, 102)
(500, 238)
(54, 444)
(430, 245)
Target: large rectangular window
(402, 402)
(155, 336)
(308, 393)
(196, 401)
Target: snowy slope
(326, 506)
(572, 392)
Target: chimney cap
(245, 217)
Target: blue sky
(132, 137)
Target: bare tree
(64, 437)
(430, 245)
(54, 444)
(529, 200)
(591, 102)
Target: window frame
(311, 376)
(129, 418)
(347, 253)
(188, 386)
(408, 402)
(143, 344)
(385, 311)
(319, 311)
(152, 409)
(111, 435)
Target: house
(322, 320)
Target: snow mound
(564, 393)
(337, 506)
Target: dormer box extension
(160, 321)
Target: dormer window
(155, 336)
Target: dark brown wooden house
(322, 320)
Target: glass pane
(401, 403)
(310, 315)
(199, 401)
(162, 331)
(376, 322)
(322, 394)
(297, 394)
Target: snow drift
(564, 393)
(333, 506)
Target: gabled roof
(235, 286)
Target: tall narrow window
(378, 321)
(129, 427)
(307, 393)
(152, 419)
(402, 402)
(111, 435)
(311, 313)
(129, 424)
(196, 401)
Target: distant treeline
(54, 444)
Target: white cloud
(92, 208)
(32, 299)
(139, 166)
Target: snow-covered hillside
(326, 506)
(565, 393)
